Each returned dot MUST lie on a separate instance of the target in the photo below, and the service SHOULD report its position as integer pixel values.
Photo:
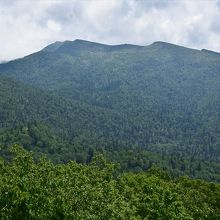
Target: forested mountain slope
(45, 122)
(160, 100)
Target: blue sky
(29, 25)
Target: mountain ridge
(126, 45)
(53, 47)
(159, 101)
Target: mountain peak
(53, 47)
(78, 45)
(163, 44)
(160, 43)
(82, 41)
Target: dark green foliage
(140, 106)
(43, 190)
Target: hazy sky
(28, 25)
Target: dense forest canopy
(140, 106)
(31, 189)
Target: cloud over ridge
(27, 26)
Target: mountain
(46, 123)
(139, 105)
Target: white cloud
(53, 26)
(28, 25)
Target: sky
(27, 26)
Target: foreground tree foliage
(40, 189)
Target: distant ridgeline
(140, 106)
